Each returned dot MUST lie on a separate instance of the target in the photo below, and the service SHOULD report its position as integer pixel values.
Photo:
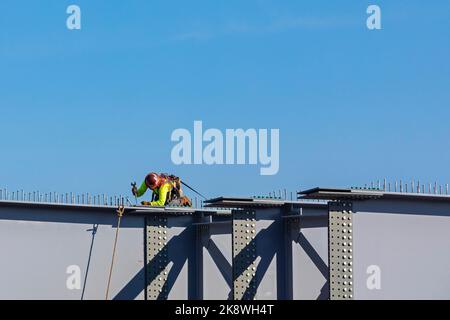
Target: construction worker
(166, 190)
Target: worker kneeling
(166, 191)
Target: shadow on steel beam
(93, 231)
(134, 287)
(318, 262)
(312, 254)
(261, 237)
(221, 262)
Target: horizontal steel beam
(108, 208)
(364, 194)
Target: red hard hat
(152, 180)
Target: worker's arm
(141, 190)
(162, 196)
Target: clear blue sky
(92, 110)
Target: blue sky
(91, 110)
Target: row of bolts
(397, 186)
(281, 195)
(71, 198)
(414, 187)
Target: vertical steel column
(157, 258)
(290, 226)
(202, 236)
(340, 239)
(244, 254)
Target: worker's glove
(146, 203)
(134, 189)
